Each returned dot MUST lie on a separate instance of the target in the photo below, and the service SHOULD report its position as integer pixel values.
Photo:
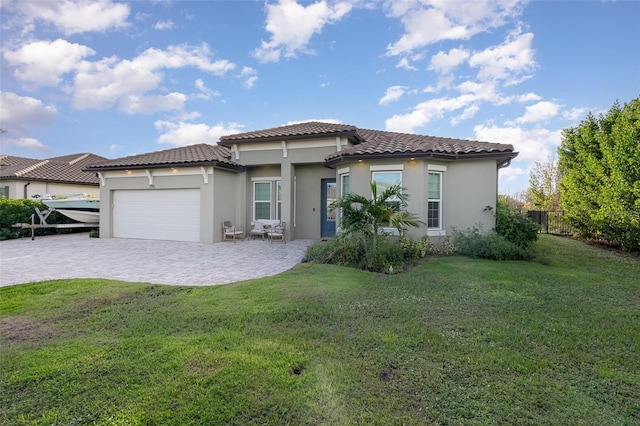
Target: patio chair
(258, 230)
(277, 232)
(231, 232)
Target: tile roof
(383, 143)
(65, 169)
(193, 155)
(309, 129)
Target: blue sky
(121, 78)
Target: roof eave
(218, 164)
(506, 155)
(352, 135)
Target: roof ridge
(31, 168)
(82, 157)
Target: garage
(162, 214)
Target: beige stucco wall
(467, 188)
(16, 188)
(220, 196)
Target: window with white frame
(434, 203)
(261, 200)
(279, 200)
(344, 184)
(386, 179)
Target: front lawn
(453, 341)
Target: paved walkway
(159, 262)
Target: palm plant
(364, 218)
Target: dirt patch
(22, 329)
(203, 366)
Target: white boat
(83, 208)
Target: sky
(118, 78)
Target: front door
(328, 217)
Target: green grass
(453, 341)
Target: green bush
(474, 243)
(515, 227)
(390, 256)
(14, 211)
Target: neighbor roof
(191, 155)
(64, 169)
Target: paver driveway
(158, 262)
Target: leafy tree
(544, 186)
(601, 187)
(364, 218)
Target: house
(292, 173)
(27, 177)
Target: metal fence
(551, 222)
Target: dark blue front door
(328, 217)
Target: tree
(601, 187)
(544, 186)
(364, 218)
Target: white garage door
(162, 214)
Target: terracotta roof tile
(308, 129)
(377, 142)
(191, 154)
(65, 169)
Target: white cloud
(181, 133)
(427, 111)
(430, 21)
(443, 62)
(507, 61)
(163, 25)
(250, 77)
(137, 104)
(30, 144)
(468, 113)
(529, 97)
(79, 16)
(532, 144)
(393, 94)
(575, 114)
(19, 112)
(510, 173)
(404, 64)
(541, 111)
(292, 25)
(205, 92)
(106, 82)
(43, 63)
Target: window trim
(261, 201)
(437, 200)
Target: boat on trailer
(82, 208)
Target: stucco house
(22, 177)
(292, 173)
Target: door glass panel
(331, 197)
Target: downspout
(25, 189)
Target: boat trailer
(42, 216)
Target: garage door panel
(157, 214)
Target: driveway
(159, 262)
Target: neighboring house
(26, 177)
(292, 173)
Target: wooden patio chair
(277, 232)
(231, 232)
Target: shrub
(389, 256)
(14, 211)
(474, 243)
(515, 227)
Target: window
(4, 191)
(344, 184)
(434, 203)
(279, 200)
(261, 200)
(385, 180)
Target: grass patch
(453, 341)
